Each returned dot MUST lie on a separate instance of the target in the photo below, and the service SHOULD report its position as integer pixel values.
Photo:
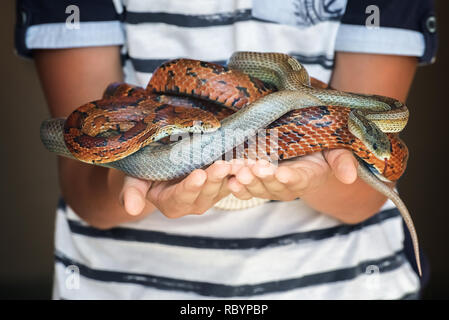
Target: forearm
(94, 193)
(69, 79)
(364, 73)
(351, 203)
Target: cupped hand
(246, 179)
(292, 178)
(195, 194)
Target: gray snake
(370, 119)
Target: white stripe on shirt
(197, 7)
(57, 35)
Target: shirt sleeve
(53, 24)
(400, 28)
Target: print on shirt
(301, 13)
(310, 12)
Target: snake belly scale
(255, 91)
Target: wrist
(93, 193)
(349, 203)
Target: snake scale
(228, 105)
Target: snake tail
(366, 175)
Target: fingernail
(135, 203)
(197, 178)
(282, 178)
(238, 161)
(199, 183)
(265, 171)
(220, 162)
(246, 178)
(347, 174)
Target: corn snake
(366, 124)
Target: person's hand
(195, 194)
(292, 178)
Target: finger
(238, 164)
(133, 195)
(216, 175)
(265, 172)
(295, 179)
(224, 190)
(238, 189)
(175, 198)
(343, 164)
(187, 191)
(252, 183)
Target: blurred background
(29, 190)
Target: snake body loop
(368, 119)
(373, 120)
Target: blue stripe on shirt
(386, 264)
(149, 236)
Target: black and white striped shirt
(279, 250)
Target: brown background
(29, 188)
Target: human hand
(195, 194)
(292, 178)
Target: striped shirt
(278, 250)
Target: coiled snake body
(231, 104)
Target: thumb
(133, 195)
(343, 165)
